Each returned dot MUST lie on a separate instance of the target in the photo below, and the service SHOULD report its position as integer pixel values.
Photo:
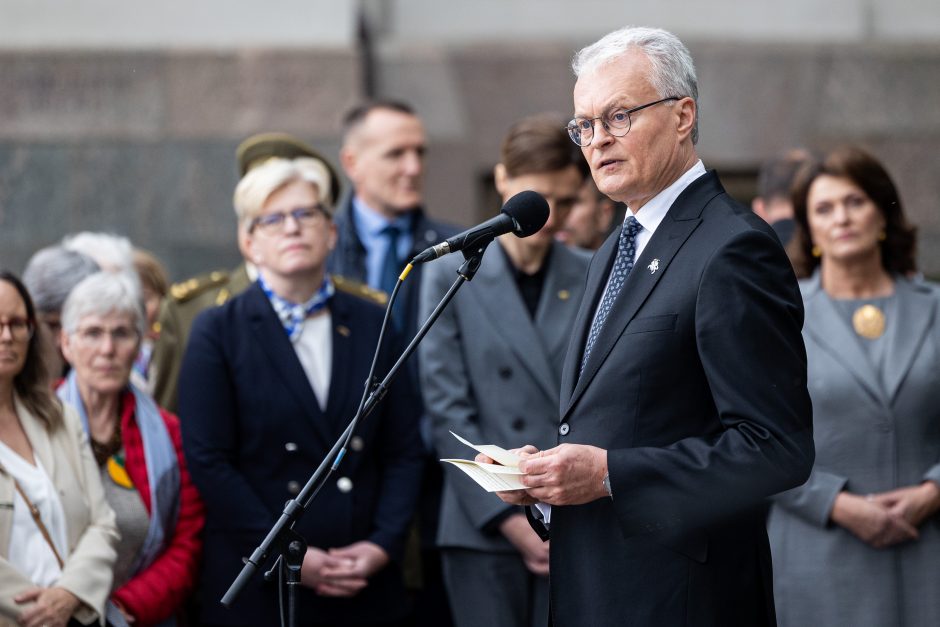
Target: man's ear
(347, 159)
(500, 177)
(687, 113)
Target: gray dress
(876, 417)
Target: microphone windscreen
(529, 210)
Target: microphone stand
(290, 545)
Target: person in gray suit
(858, 543)
(490, 372)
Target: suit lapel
(594, 286)
(665, 243)
(268, 332)
(558, 305)
(682, 218)
(343, 349)
(833, 335)
(38, 439)
(916, 310)
(510, 319)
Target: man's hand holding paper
(569, 474)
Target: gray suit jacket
(90, 526)
(491, 374)
(869, 437)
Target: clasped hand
(887, 518)
(51, 607)
(344, 571)
(569, 474)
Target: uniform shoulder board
(190, 288)
(361, 290)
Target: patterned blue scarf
(293, 315)
(163, 473)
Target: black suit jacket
(254, 432)
(696, 387)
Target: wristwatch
(607, 485)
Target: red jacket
(159, 591)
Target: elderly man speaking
(683, 394)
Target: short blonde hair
(259, 183)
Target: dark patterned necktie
(626, 252)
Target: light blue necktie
(626, 251)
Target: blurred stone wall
(142, 142)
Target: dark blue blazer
(253, 433)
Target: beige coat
(91, 529)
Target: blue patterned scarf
(292, 315)
(163, 473)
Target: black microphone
(523, 215)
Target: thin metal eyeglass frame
(575, 131)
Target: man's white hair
(672, 72)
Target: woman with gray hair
(138, 448)
(50, 275)
(114, 253)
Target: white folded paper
(498, 477)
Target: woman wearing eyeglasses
(55, 564)
(138, 450)
(269, 381)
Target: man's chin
(405, 209)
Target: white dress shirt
(314, 349)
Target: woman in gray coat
(858, 544)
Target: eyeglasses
(95, 336)
(303, 216)
(616, 122)
(21, 329)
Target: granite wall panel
(142, 143)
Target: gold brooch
(869, 322)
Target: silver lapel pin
(654, 266)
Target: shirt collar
(292, 315)
(370, 222)
(652, 213)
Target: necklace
(104, 450)
(869, 322)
